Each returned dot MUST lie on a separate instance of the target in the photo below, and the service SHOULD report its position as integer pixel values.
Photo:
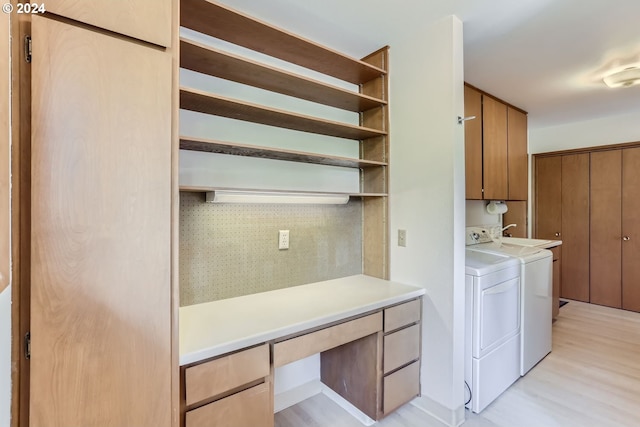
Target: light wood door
(5, 211)
(631, 229)
(148, 20)
(605, 228)
(575, 227)
(548, 191)
(473, 143)
(101, 220)
(518, 163)
(494, 147)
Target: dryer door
(497, 314)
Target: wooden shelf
(221, 147)
(204, 189)
(235, 27)
(209, 103)
(208, 60)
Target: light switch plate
(402, 238)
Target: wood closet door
(605, 228)
(148, 20)
(101, 219)
(631, 229)
(575, 227)
(494, 140)
(5, 155)
(548, 191)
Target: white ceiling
(544, 56)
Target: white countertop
(218, 327)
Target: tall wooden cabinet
(593, 210)
(495, 149)
(98, 109)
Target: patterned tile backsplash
(232, 250)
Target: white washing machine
(492, 326)
(537, 293)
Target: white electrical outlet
(283, 239)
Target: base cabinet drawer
(217, 376)
(249, 408)
(400, 387)
(401, 315)
(401, 347)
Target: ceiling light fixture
(225, 196)
(623, 77)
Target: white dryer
(536, 296)
(492, 326)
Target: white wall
(427, 200)
(5, 357)
(603, 131)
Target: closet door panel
(101, 222)
(575, 227)
(605, 228)
(631, 229)
(548, 190)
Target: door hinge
(27, 48)
(27, 346)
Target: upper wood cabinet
(495, 173)
(495, 149)
(148, 20)
(102, 312)
(473, 143)
(517, 159)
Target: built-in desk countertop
(214, 328)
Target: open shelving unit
(369, 74)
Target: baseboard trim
(448, 417)
(347, 406)
(296, 395)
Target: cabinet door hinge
(27, 346)
(27, 48)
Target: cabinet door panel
(518, 163)
(101, 220)
(575, 227)
(148, 20)
(5, 217)
(494, 130)
(605, 228)
(473, 143)
(548, 190)
(631, 229)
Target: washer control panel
(478, 234)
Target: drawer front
(400, 387)
(401, 347)
(249, 408)
(211, 378)
(402, 315)
(314, 342)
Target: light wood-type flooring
(591, 378)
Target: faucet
(507, 227)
